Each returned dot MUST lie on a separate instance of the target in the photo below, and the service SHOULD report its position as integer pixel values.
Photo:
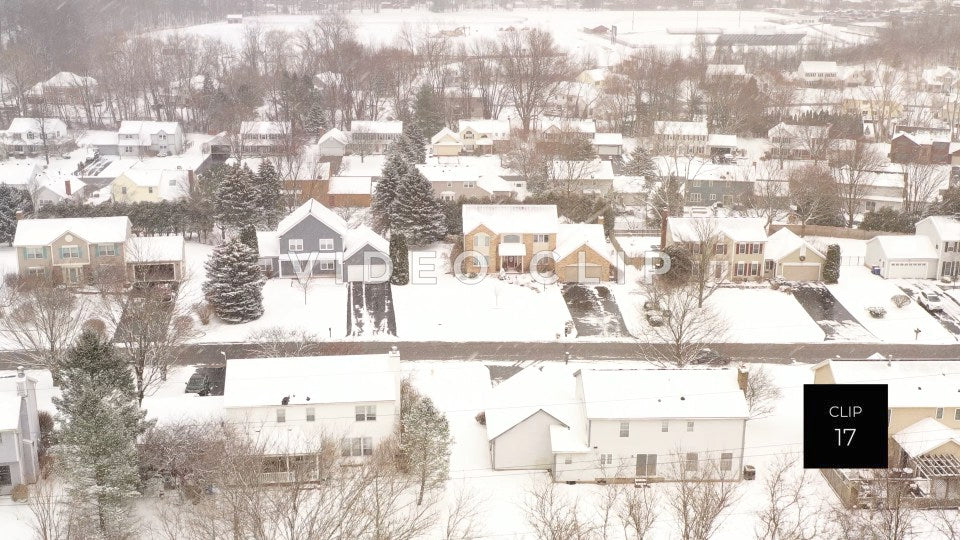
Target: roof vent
(308, 398)
(682, 398)
(285, 400)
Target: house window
(624, 429)
(769, 265)
(956, 414)
(365, 413)
(720, 249)
(173, 182)
(469, 184)
(741, 248)
(511, 239)
(326, 266)
(726, 461)
(449, 184)
(696, 197)
(123, 190)
(311, 414)
(36, 271)
(33, 253)
(606, 459)
(106, 250)
(149, 190)
(713, 196)
(757, 248)
(5, 479)
(665, 426)
(567, 460)
(690, 425)
(70, 252)
(541, 238)
(281, 416)
(741, 269)
(692, 462)
(939, 413)
(754, 269)
(871, 206)
(356, 447)
(646, 464)
(481, 240)
(295, 244)
(326, 244)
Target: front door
(72, 275)
(646, 464)
(511, 263)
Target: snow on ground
(764, 316)
(858, 289)
(849, 247)
(8, 260)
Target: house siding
(525, 445)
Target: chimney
(742, 375)
(664, 216)
(66, 187)
(21, 382)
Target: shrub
(96, 326)
(481, 418)
(19, 493)
(831, 267)
(876, 312)
(900, 300)
(204, 312)
(46, 432)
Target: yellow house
(149, 185)
(446, 143)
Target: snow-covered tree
(640, 163)
(8, 213)
(268, 188)
(831, 266)
(99, 423)
(425, 445)
(234, 286)
(400, 257)
(427, 111)
(236, 200)
(316, 123)
(394, 169)
(413, 143)
(417, 213)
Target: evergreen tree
(394, 169)
(640, 163)
(417, 213)
(400, 258)
(248, 235)
(666, 196)
(949, 204)
(234, 286)
(235, 203)
(268, 188)
(888, 220)
(412, 145)
(427, 111)
(831, 267)
(315, 123)
(9, 203)
(99, 423)
(425, 445)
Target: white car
(930, 301)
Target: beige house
(446, 143)
(483, 136)
(792, 258)
(737, 243)
(452, 182)
(71, 250)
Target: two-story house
(313, 240)
(680, 138)
(818, 72)
(798, 141)
(944, 233)
(737, 243)
(483, 136)
(19, 431)
(71, 250)
(65, 88)
(594, 176)
(451, 182)
(31, 136)
(141, 138)
(373, 136)
(258, 137)
(150, 185)
(512, 238)
(596, 425)
(295, 406)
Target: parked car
(930, 301)
(707, 356)
(198, 384)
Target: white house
(29, 135)
(333, 143)
(139, 138)
(19, 431)
(944, 233)
(726, 70)
(19, 174)
(373, 136)
(483, 135)
(446, 143)
(262, 137)
(681, 138)
(291, 405)
(608, 145)
(906, 256)
(818, 72)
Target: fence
(826, 230)
(845, 489)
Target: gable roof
(917, 383)
(662, 393)
(145, 128)
(925, 435)
(40, 232)
(784, 242)
(445, 133)
(536, 388)
(608, 139)
(597, 169)
(905, 246)
(144, 249)
(393, 127)
(318, 211)
(670, 127)
(360, 236)
(947, 226)
(263, 127)
(484, 126)
(737, 229)
(32, 125)
(572, 236)
(511, 218)
(817, 66)
(334, 134)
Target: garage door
(374, 273)
(907, 270)
(575, 273)
(801, 272)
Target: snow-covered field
(757, 315)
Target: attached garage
(366, 257)
(583, 254)
(801, 271)
(907, 269)
(585, 272)
(789, 257)
(910, 257)
(369, 273)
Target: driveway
(837, 323)
(216, 375)
(594, 311)
(370, 310)
(949, 317)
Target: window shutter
(94, 252)
(46, 252)
(651, 464)
(80, 250)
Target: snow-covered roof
(485, 126)
(535, 388)
(925, 435)
(671, 127)
(32, 125)
(265, 382)
(168, 184)
(64, 79)
(441, 174)
(145, 128)
(629, 184)
(915, 383)
(594, 75)
(608, 139)
(445, 133)
(268, 243)
(360, 236)
(336, 135)
(905, 246)
(783, 243)
(597, 169)
(722, 139)
(317, 210)
(662, 393)
(572, 236)
(922, 138)
(148, 249)
(567, 125)
(737, 229)
(10, 403)
(947, 226)
(56, 182)
(350, 185)
(392, 127)
(18, 173)
(817, 66)
(793, 131)
(511, 218)
(263, 127)
(41, 232)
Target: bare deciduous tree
(687, 327)
(699, 497)
(762, 392)
(854, 172)
(791, 509)
(554, 516)
(533, 67)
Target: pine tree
(394, 169)
(639, 163)
(417, 213)
(315, 123)
(425, 445)
(949, 204)
(427, 111)
(99, 423)
(234, 286)
(831, 267)
(413, 144)
(248, 235)
(9, 202)
(400, 259)
(268, 187)
(235, 203)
